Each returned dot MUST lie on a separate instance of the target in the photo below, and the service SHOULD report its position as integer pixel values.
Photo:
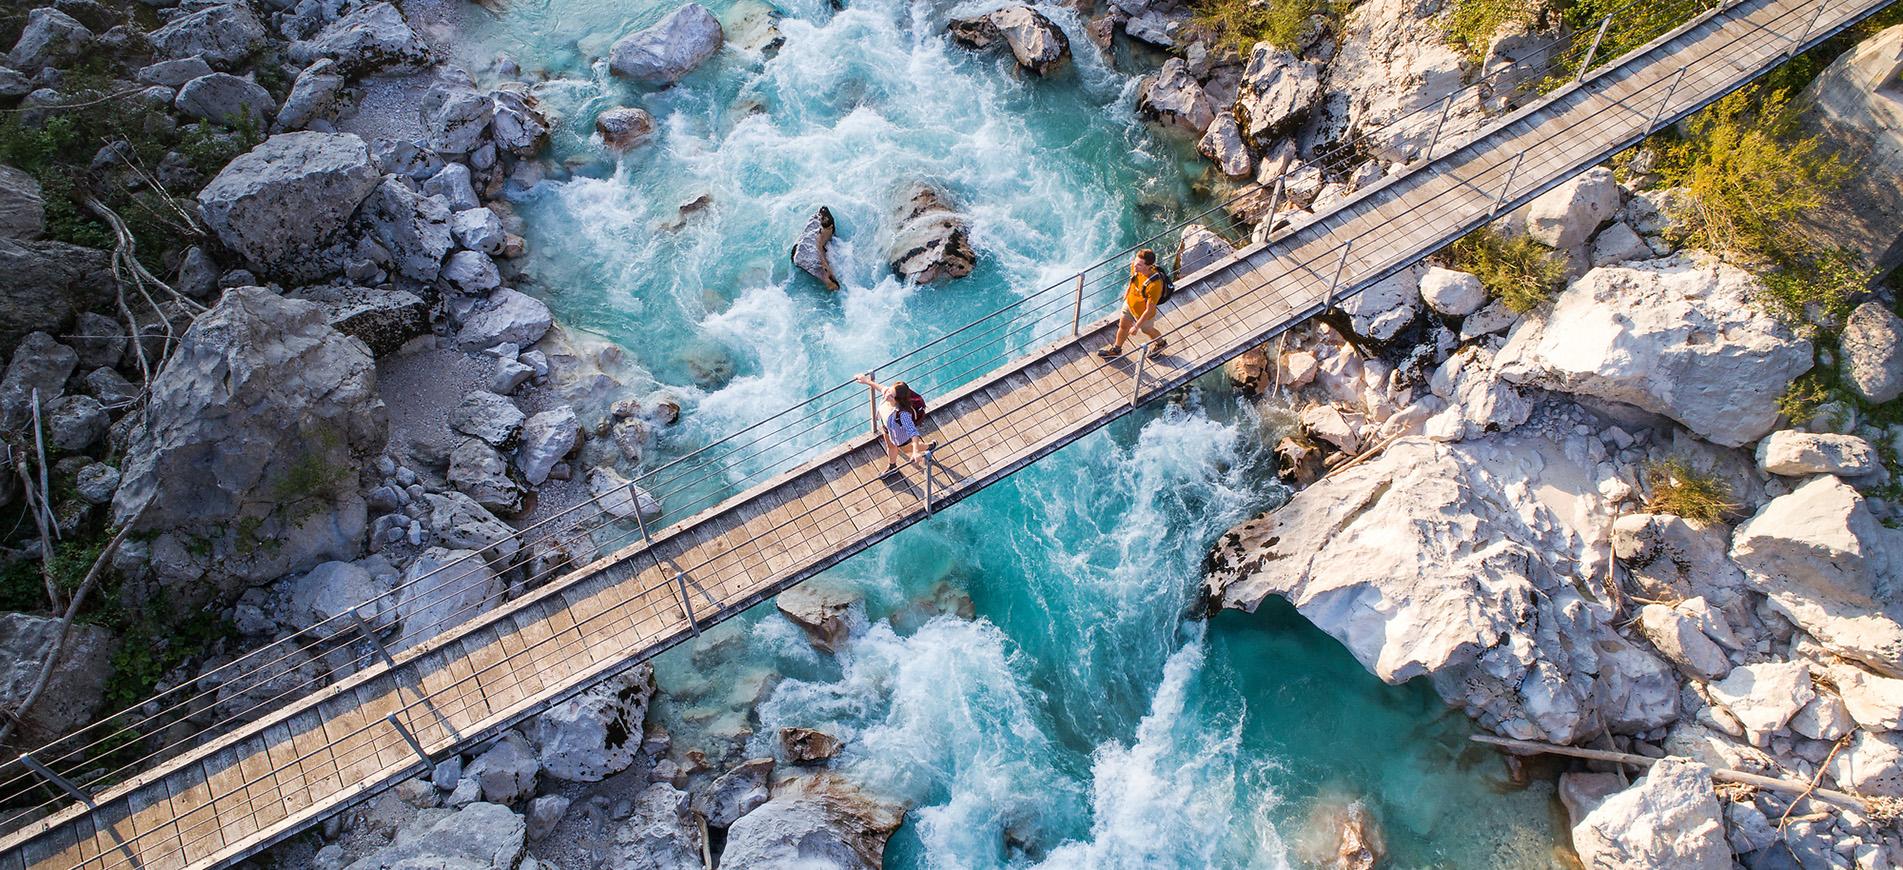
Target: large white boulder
(666, 52)
(77, 684)
(1389, 77)
(1566, 216)
(281, 203)
(1763, 697)
(1455, 294)
(480, 836)
(1278, 90)
(224, 35)
(1676, 336)
(371, 39)
(1173, 97)
(1871, 765)
(1669, 818)
(661, 833)
(1793, 453)
(441, 590)
(1872, 346)
(243, 465)
(1829, 566)
(817, 820)
(597, 733)
(1455, 562)
(1036, 43)
(1383, 309)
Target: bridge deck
(244, 791)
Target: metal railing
(223, 698)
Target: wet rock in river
(933, 242)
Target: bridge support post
(680, 577)
(363, 628)
(409, 738)
(71, 789)
(928, 482)
(1136, 383)
(1808, 27)
(1586, 64)
(1507, 188)
(1446, 106)
(1076, 323)
(1667, 102)
(872, 410)
(1334, 283)
(1275, 203)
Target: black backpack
(1169, 286)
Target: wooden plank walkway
(242, 792)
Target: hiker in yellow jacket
(1140, 298)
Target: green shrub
(1750, 176)
(1815, 287)
(1240, 24)
(1471, 24)
(1519, 271)
(1802, 398)
(1678, 488)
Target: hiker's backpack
(1169, 286)
(917, 407)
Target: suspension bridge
(228, 770)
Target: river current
(1077, 718)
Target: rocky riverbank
(1604, 523)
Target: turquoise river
(1079, 720)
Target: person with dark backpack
(901, 413)
(1149, 288)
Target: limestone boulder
(39, 367)
(1683, 641)
(618, 497)
(74, 423)
(520, 124)
(547, 436)
(457, 522)
(324, 598)
(370, 39)
(78, 683)
(735, 793)
(315, 95)
(1222, 144)
(1765, 696)
(1390, 75)
(411, 230)
(1380, 311)
(807, 746)
(597, 733)
(1796, 454)
(1875, 703)
(1172, 97)
(666, 52)
(50, 38)
(1036, 43)
(225, 35)
(1829, 566)
(1871, 765)
(823, 612)
(660, 834)
(1198, 249)
(45, 284)
(384, 320)
(810, 252)
(932, 242)
(225, 99)
(243, 464)
(480, 836)
(509, 317)
(814, 820)
(1853, 107)
(22, 206)
(1479, 400)
(623, 128)
(1872, 347)
(1455, 294)
(1566, 216)
(1669, 818)
(1278, 89)
(478, 229)
(1678, 336)
(441, 590)
(1437, 560)
(282, 203)
(479, 471)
